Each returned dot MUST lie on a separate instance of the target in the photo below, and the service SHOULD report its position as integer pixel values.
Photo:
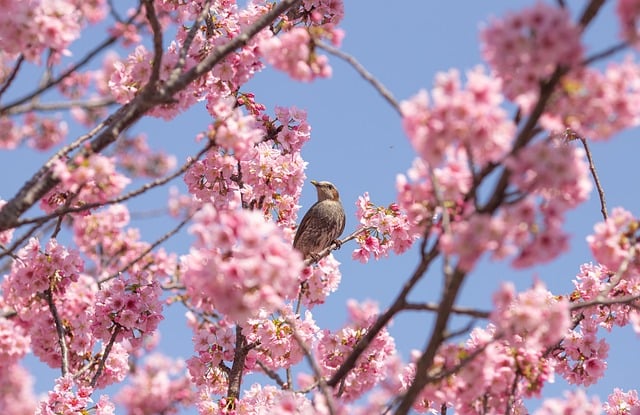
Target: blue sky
(358, 144)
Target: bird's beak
(315, 183)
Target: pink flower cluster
(128, 308)
(550, 178)
(622, 403)
(29, 28)
(292, 52)
(575, 403)
(527, 46)
(536, 319)
(105, 238)
(628, 12)
(417, 196)
(214, 343)
(596, 104)
(386, 229)
(239, 264)
(469, 118)
(234, 132)
(38, 132)
(67, 397)
(272, 171)
(34, 272)
(43, 133)
(319, 281)
(160, 385)
(277, 345)
(14, 345)
(506, 361)
(16, 391)
(371, 367)
(91, 179)
(614, 241)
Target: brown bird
(323, 223)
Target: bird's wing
(305, 219)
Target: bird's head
(326, 190)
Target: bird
(322, 224)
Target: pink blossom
(628, 12)
(576, 403)
(610, 243)
(386, 229)
(16, 391)
(239, 264)
(333, 348)
(596, 104)
(159, 385)
(525, 47)
(536, 317)
(91, 179)
(291, 52)
(622, 403)
(470, 118)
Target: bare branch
(386, 94)
(64, 352)
(12, 75)
(157, 41)
(471, 312)
(105, 355)
(594, 173)
(148, 250)
(382, 321)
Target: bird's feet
(338, 243)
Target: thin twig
(151, 247)
(12, 75)
(605, 53)
(594, 173)
(379, 86)
(471, 312)
(334, 246)
(105, 355)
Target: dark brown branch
(382, 321)
(605, 53)
(64, 352)
(524, 136)
(12, 75)
(438, 334)
(471, 312)
(590, 12)
(105, 355)
(157, 41)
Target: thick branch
(437, 337)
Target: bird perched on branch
(323, 223)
